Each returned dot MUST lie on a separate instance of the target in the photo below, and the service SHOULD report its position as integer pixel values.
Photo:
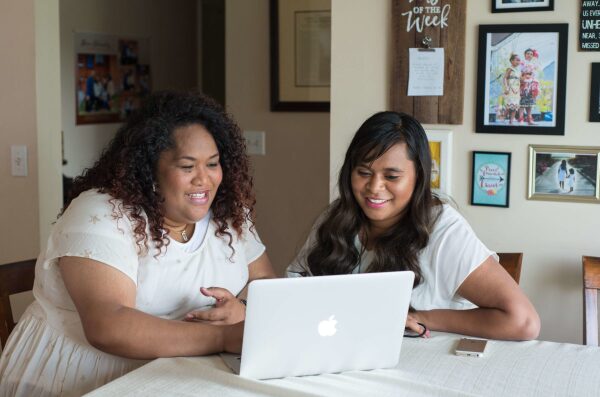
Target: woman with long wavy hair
(387, 219)
(159, 230)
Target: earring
(154, 188)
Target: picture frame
(112, 76)
(521, 79)
(440, 145)
(521, 6)
(595, 93)
(490, 179)
(300, 39)
(578, 180)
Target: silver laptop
(328, 324)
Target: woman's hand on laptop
(228, 308)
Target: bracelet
(243, 301)
(424, 333)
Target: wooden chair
(591, 284)
(511, 262)
(14, 278)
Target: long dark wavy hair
(127, 167)
(334, 251)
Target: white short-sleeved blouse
(47, 354)
(452, 253)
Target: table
(427, 367)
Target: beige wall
(291, 180)
(552, 235)
(19, 198)
(171, 27)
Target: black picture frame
(277, 103)
(490, 179)
(499, 6)
(595, 93)
(495, 110)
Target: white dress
(452, 253)
(48, 355)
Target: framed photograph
(522, 5)
(440, 144)
(112, 76)
(595, 93)
(490, 179)
(563, 173)
(300, 55)
(521, 79)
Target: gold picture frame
(564, 173)
(300, 55)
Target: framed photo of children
(440, 145)
(522, 5)
(521, 79)
(490, 179)
(595, 93)
(564, 173)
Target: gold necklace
(182, 232)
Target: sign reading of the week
(425, 14)
(589, 30)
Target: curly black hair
(127, 167)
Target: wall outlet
(255, 142)
(18, 160)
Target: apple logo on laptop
(327, 327)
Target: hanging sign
(589, 28)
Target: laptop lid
(315, 325)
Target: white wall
(552, 235)
(171, 27)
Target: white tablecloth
(427, 367)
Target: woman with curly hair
(388, 219)
(149, 258)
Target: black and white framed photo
(521, 79)
(564, 173)
(595, 93)
(522, 5)
(490, 182)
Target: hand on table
(413, 324)
(227, 310)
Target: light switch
(18, 160)
(255, 142)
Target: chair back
(511, 262)
(14, 278)
(591, 284)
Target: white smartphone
(471, 347)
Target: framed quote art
(300, 55)
(490, 179)
(521, 79)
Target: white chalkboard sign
(589, 28)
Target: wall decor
(300, 55)
(564, 173)
(595, 93)
(419, 26)
(521, 79)
(490, 182)
(440, 145)
(112, 75)
(522, 5)
(589, 26)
